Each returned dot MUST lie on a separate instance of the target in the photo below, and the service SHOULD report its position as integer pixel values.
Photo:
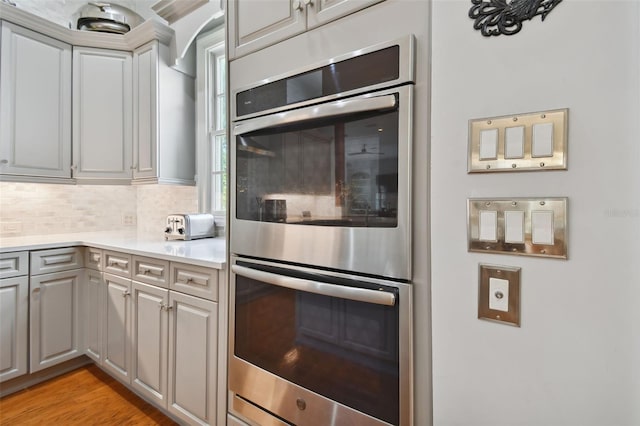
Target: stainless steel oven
(320, 242)
(321, 161)
(311, 347)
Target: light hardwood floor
(86, 396)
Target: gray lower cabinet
(161, 342)
(174, 347)
(93, 296)
(53, 314)
(14, 332)
(55, 276)
(117, 324)
(193, 349)
(150, 341)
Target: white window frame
(209, 47)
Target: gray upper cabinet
(163, 119)
(35, 106)
(102, 115)
(254, 25)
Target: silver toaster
(189, 226)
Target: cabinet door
(257, 24)
(102, 114)
(14, 308)
(323, 11)
(92, 296)
(193, 331)
(53, 327)
(117, 324)
(145, 111)
(35, 104)
(150, 337)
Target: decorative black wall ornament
(495, 17)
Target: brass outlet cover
(501, 157)
(511, 315)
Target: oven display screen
(344, 350)
(360, 71)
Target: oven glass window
(344, 350)
(338, 173)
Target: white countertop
(208, 252)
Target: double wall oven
(320, 242)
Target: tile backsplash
(37, 209)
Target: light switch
(499, 294)
(518, 142)
(514, 227)
(514, 142)
(518, 226)
(542, 140)
(489, 144)
(488, 225)
(542, 227)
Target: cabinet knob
(308, 2)
(126, 293)
(164, 307)
(297, 5)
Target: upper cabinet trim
(144, 33)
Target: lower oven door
(318, 348)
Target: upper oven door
(327, 184)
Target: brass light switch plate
(499, 294)
(520, 226)
(520, 142)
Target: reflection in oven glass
(327, 174)
(344, 350)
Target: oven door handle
(378, 297)
(332, 109)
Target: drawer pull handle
(148, 269)
(53, 260)
(119, 263)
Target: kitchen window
(211, 124)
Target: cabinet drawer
(151, 271)
(117, 263)
(195, 280)
(14, 264)
(56, 260)
(93, 258)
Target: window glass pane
(221, 113)
(219, 173)
(220, 72)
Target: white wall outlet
(499, 294)
(8, 228)
(129, 220)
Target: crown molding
(143, 33)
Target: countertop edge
(210, 252)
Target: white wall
(576, 358)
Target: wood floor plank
(86, 396)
